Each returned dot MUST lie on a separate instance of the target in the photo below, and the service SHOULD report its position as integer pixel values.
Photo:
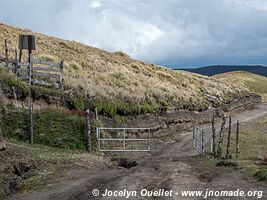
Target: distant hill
(219, 69)
(254, 82)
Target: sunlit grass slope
(116, 81)
(254, 82)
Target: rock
(127, 164)
(22, 168)
(265, 159)
(227, 163)
(2, 146)
(14, 185)
(26, 167)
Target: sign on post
(27, 42)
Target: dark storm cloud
(174, 32)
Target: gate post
(30, 101)
(228, 154)
(213, 135)
(88, 132)
(202, 141)
(149, 138)
(237, 140)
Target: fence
(42, 73)
(36, 72)
(123, 140)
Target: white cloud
(172, 31)
(257, 4)
(96, 4)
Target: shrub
(8, 81)
(262, 174)
(79, 103)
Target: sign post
(27, 42)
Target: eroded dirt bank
(180, 120)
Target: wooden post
(96, 114)
(237, 140)
(2, 142)
(30, 100)
(202, 141)
(221, 137)
(88, 132)
(61, 84)
(228, 155)
(6, 53)
(20, 55)
(213, 135)
(61, 75)
(16, 62)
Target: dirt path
(170, 167)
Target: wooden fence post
(2, 142)
(6, 53)
(61, 75)
(30, 101)
(88, 132)
(221, 137)
(213, 135)
(228, 155)
(20, 55)
(16, 62)
(237, 140)
(202, 141)
(96, 114)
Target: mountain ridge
(219, 69)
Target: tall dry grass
(109, 77)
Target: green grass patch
(78, 103)
(10, 81)
(111, 109)
(262, 174)
(51, 128)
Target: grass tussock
(112, 78)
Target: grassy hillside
(254, 82)
(118, 84)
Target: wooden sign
(27, 42)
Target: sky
(173, 33)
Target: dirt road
(170, 166)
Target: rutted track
(169, 166)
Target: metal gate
(122, 139)
(198, 139)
